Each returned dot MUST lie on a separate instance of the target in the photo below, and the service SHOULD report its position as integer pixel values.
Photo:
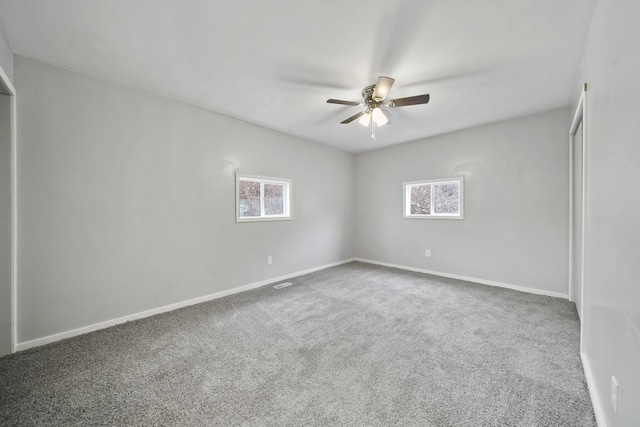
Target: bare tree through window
(421, 200)
(249, 198)
(262, 198)
(446, 198)
(434, 198)
(273, 200)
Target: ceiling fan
(374, 96)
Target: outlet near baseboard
(269, 260)
(427, 253)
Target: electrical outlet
(427, 253)
(614, 394)
(269, 260)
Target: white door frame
(579, 118)
(4, 81)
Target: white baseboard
(108, 323)
(596, 402)
(468, 279)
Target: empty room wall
(611, 68)
(6, 57)
(515, 222)
(127, 201)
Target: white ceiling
(276, 62)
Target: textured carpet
(354, 345)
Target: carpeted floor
(353, 345)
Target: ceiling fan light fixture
(365, 119)
(374, 97)
(381, 88)
(378, 117)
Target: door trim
(579, 118)
(4, 81)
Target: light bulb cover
(365, 119)
(381, 90)
(378, 117)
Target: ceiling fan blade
(410, 100)
(352, 118)
(341, 102)
(383, 86)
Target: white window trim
(265, 180)
(407, 197)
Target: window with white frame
(261, 198)
(440, 198)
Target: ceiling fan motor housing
(367, 95)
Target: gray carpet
(354, 345)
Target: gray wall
(611, 67)
(6, 57)
(127, 201)
(516, 203)
(5, 225)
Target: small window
(260, 198)
(440, 198)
